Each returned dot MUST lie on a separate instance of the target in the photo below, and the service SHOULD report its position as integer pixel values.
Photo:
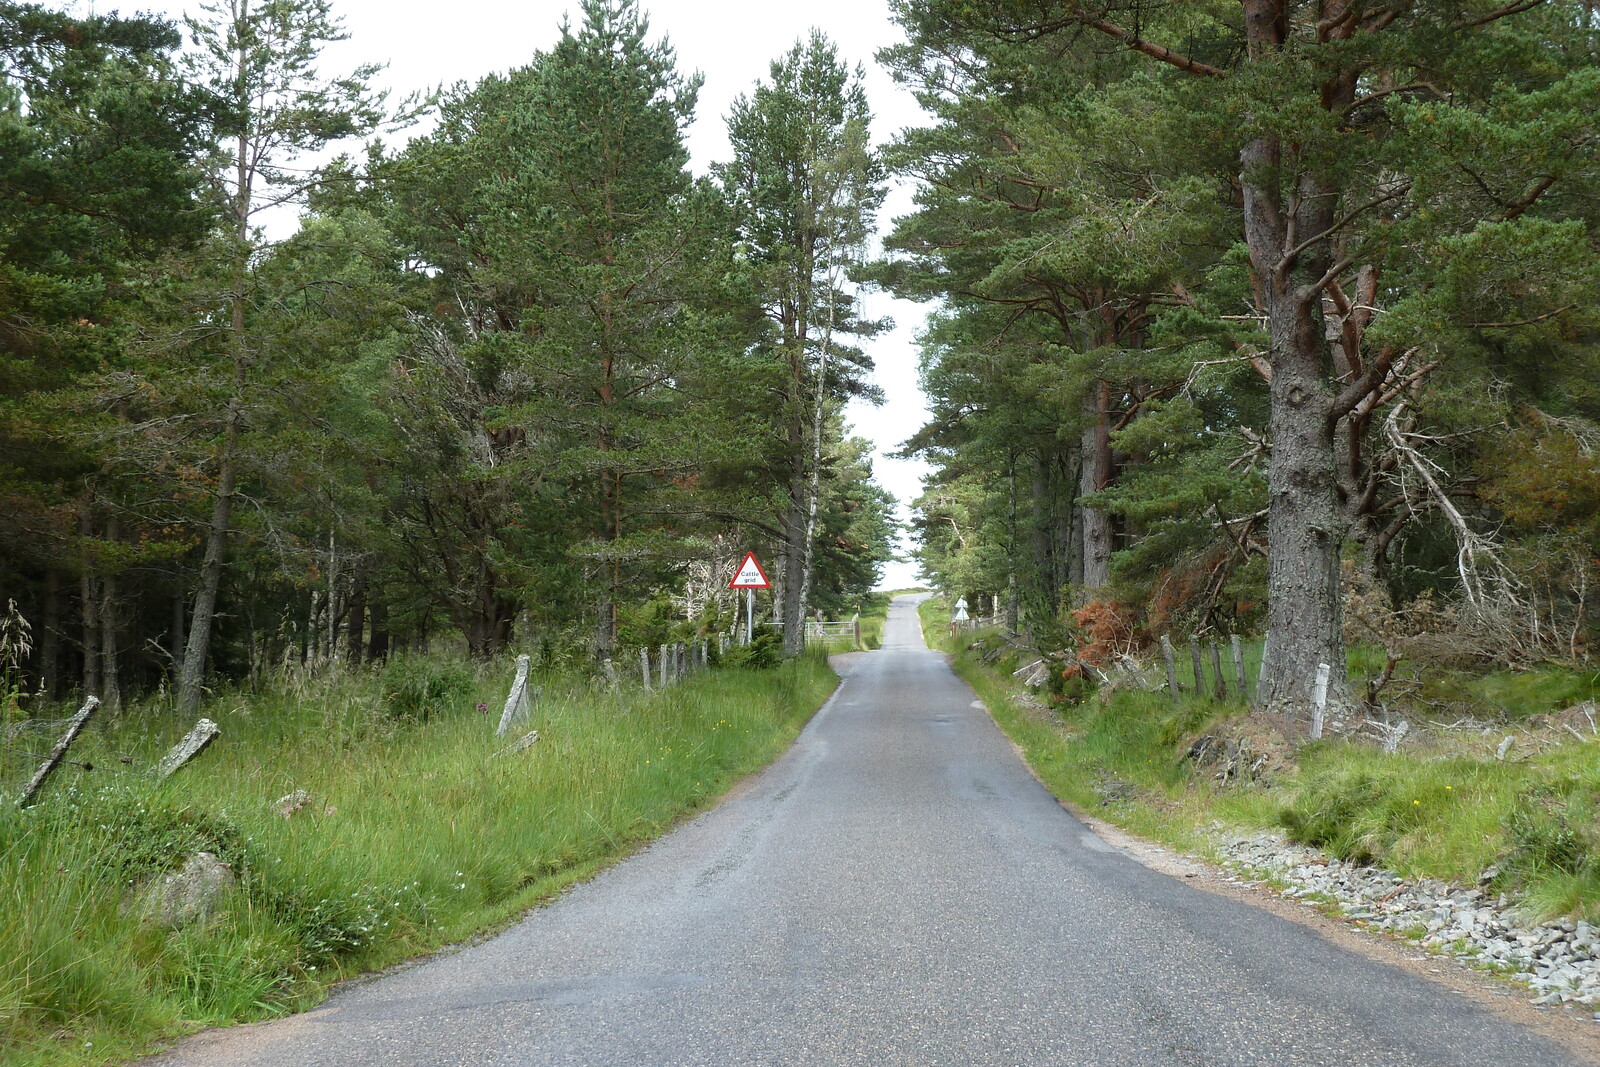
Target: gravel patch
(1558, 961)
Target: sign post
(750, 577)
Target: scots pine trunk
(356, 625)
(192, 675)
(378, 641)
(50, 634)
(89, 608)
(1095, 473)
(111, 630)
(794, 559)
(192, 672)
(260, 61)
(1289, 215)
(1304, 603)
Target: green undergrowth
(412, 835)
(1531, 823)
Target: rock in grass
(191, 893)
(288, 805)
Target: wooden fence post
(1221, 686)
(1172, 669)
(52, 761)
(1199, 674)
(644, 667)
(517, 700)
(663, 673)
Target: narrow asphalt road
(896, 890)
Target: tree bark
(1093, 476)
(378, 643)
(110, 632)
(89, 608)
(176, 640)
(794, 608)
(356, 626)
(1304, 601)
(50, 634)
(192, 672)
(1068, 531)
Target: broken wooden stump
(521, 744)
(194, 742)
(517, 700)
(52, 761)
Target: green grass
(1438, 815)
(416, 837)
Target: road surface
(897, 889)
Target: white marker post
(750, 577)
(1319, 699)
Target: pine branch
(1499, 13)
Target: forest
(515, 376)
(1272, 320)
(1260, 318)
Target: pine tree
(1320, 115)
(806, 186)
(97, 141)
(258, 59)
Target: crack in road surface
(897, 889)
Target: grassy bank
(1443, 806)
(413, 835)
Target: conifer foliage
(1275, 280)
(508, 383)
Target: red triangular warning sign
(750, 575)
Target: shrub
(763, 652)
(1543, 835)
(415, 689)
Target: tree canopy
(495, 389)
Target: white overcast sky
(428, 44)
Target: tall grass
(415, 834)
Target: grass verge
(411, 834)
(1452, 812)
